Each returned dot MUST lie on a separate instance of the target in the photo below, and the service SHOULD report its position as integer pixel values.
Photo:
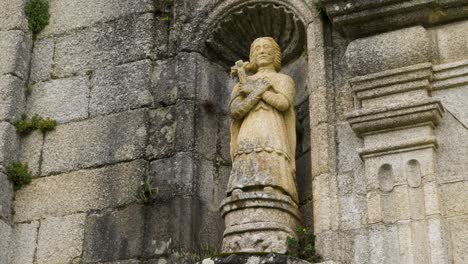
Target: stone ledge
(393, 86)
(391, 117)
(450, 75)
(363, 18)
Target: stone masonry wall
(15, 50)
(136, 97)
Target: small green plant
(167, 12)
(37, 12)
(145, 192)
(28, 90)
(25, 126)
(304, 246)
(18, 174)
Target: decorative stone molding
(362, 18)
(450, 75)
(244, 232)
(396, 116)
(373, 120)
(231, 38)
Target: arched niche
(220, 42)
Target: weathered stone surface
(224, 136)
(31, 148)
(113, 236)
(63, 100)
(12, 15)
(9, 142)
(5, 234)
(348, 158)
(79, 191)
(452, 41)
(175, 230)
(6, 197)
(11, 97)
(24, 242)
(454, 198)
(42, 60)
(322, 152)
(212, 183)
(378, 53)
(69, 14)
(452, 135)
(174, 175)
(207, 123)
(168, 83)
(15, 53)
(97, 141)
(459, 237)
(120, 41)
(60, 239)
(352, 211)
(171, 129)
(121, 88)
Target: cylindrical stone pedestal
(259, 221)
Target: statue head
(263, 52)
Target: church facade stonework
(358, 130)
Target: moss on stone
(37, 12)
(25, 126)
(18, 174)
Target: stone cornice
(357, 19)
(450, 75)
(389, 117)
(392, 81)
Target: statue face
(263, 53)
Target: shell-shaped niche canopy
(233, 34)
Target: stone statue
(260, 210)
(263, 136)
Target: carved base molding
(259, 221)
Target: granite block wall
(382, 131)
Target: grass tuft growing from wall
(25, 126)
(37, 12)
(18, 174)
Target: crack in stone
(456, 118)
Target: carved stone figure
(260, 210)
